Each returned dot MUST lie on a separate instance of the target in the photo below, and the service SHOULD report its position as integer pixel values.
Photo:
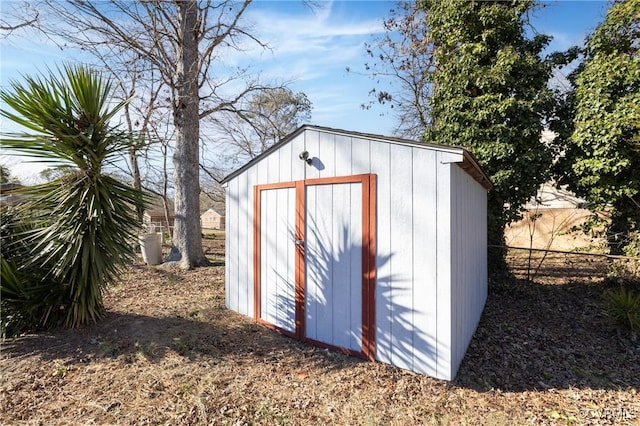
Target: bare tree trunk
(137, 183)
(179, 40)
(187, 234)
(165, 188)
(133, 159)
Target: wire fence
(546, 264)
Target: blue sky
(309, 48)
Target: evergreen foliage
(599, 124)
(78, 230)
(490, 96)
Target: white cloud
(308, 39)
(318, 25)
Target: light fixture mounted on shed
(304, 156)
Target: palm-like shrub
(28, 297)
(623, 307)
(82, 225)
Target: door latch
(299, 242)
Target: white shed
(371, 245)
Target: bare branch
(29, 17)
(403, 57)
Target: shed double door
(314, 261)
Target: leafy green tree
(600, 128)
(5, 174)
(490, 95)
(83, 223)
(53, 173)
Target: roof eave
(469, 163)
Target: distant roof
(469, 163)
(551, 197)
(156, 206)
(213, 211)
(9, 187)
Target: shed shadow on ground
(217, 335)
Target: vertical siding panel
(290, 253)
(468, 289)
(262, 174)
(380, 165)
(458, 259)
(360, 156)
(340, 249)
(232, 241)
(326, 155)
(401, 257)
(273, 167)
(312, 272)
(285, 163)
(270, 233)
(444, 267)
(455, 256)
(324, 227)
(355, 265)
(279, 265)
(342, 156)
(284, 272)
(244, 240)
(252, 174)
(425, 231)
(230, 259)
(265, 253)
(237, 243)
(472, 209)
(312, 145)
(288, 239)
(298, 166)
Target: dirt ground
(170, 353)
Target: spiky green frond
(83, 224)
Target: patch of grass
(170, 278)
(106, 349)
(60, 371)
(196, 314)
(266, 412)
(623, 307)
(567, 419)
(185, 389)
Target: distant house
(8, 197)
(155, 219)
(551, 197)
(552, 220)
(211, 219)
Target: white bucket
(151, 247)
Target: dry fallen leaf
(180, 357)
